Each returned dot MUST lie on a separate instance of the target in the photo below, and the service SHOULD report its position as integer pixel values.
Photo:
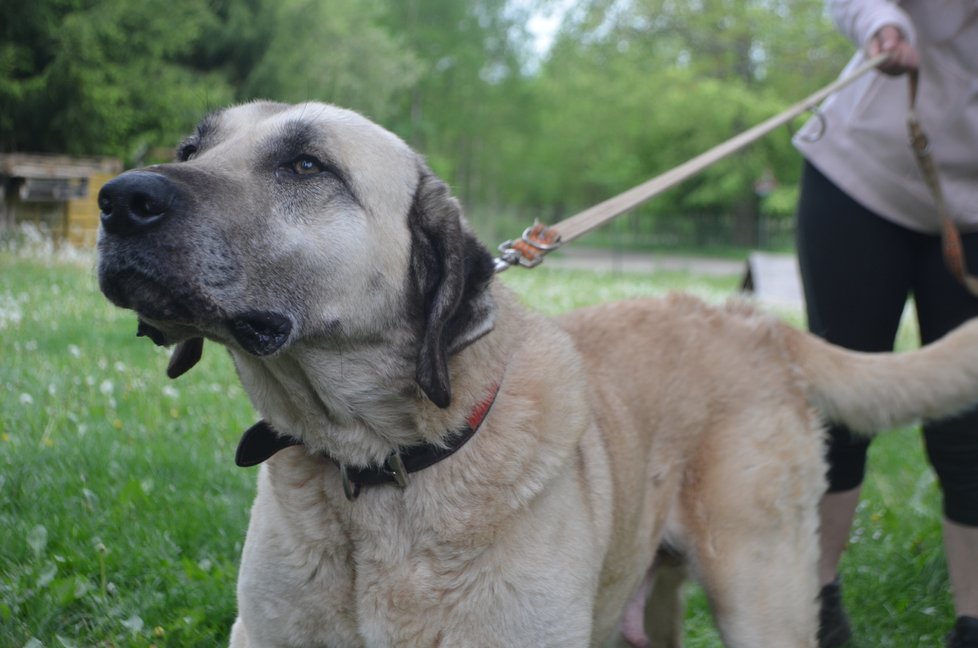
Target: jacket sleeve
(858, 20)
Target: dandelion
(117, 424)
(134, 624)
(10, 311)
(74, 351)
(106, 387)
(170, 391)
(120, 367)
(26, 399)
(37, 539)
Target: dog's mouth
(258, 332)
(164, 303)
(150, 298)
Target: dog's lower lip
(145, 330)
(261, 333)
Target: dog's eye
(306, 165)
(187, 152)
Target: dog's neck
(359, 403)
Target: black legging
(858, 270)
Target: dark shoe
(964, 634)
(834, 630)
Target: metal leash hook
(816, 113)
(529, 250)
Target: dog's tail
(875, 391)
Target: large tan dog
(367, 329)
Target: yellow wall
(83, 213)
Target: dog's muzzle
(146, 266)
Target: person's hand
(903, 55)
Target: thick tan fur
(617, 430)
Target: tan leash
(529, 250)
(538, 240)
(950, 236)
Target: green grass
(122, 514)
(121, 511)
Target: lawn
(122, 513)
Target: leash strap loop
(951, 245)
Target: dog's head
(280, 224)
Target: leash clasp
(529, 250)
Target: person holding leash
(868, 237)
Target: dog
(442, 466)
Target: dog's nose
(134, 202)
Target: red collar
(261, 441)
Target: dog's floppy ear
(451, 271)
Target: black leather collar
(261, 441)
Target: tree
(632, 89)
(102, 77)
(331, 50)
(629, 89)
(465, 104)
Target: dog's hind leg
(750, 521)
(762, 595)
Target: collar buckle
(351, 489)
(395, 466)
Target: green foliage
(331, 50)
(628, 90)
(121, 511)
(630, 93)
(102, 76)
